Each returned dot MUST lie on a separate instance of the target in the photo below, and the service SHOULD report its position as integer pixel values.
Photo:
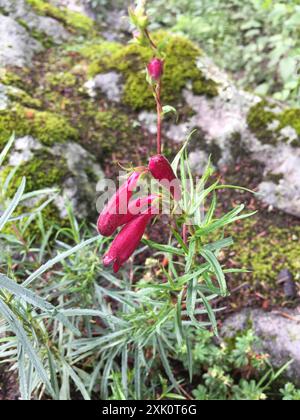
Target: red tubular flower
(115, 213)
(161, 170)
(126, 242)
(156, 68)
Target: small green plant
(290, 392)
(233, 370)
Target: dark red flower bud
(115, 213)
(156, 68)
(126, 242)
(161, 170)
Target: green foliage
(258, 41)
(74, 326)
(290, 393)
(47, 127)
(180, 68)
(232, 370)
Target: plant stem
(184, 233)
(159, 116)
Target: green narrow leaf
(191, 255)
(6, 149)
(30, 297)
(22, 375)
(210, 214)
(78, 382)
(164, 248)
(210, 313)
(137, 372)
(189, 356)
(217, 269)
(53, 375)
(165, 363)
(59, 258)
(13, 204)
(25, 342)
(124, 369)
(178, 320)
(176, 161)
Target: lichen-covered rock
(237, 124)
(68, 167)
(107, 83)
(43, 28)
(279, 334)
(17, 47)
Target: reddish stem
(159, 117)
(184, 233)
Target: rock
(285, 277)
(3, 98)
(227, 122)
(46, 26)
(23, 151)
(279, 336)
(108, 83)
(79, 189)
(79, 6)
(17, 47)
(68, 166)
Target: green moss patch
(267, 254)
(261, 117)
(131, 60)
(113, 132)
(43, 171)
(72, 20)
(47, 127)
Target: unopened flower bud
(161, 170)
(155, 69)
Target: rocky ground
(76, 97)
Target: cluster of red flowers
(133, 214)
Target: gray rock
(17, 47)
(79, 6)
(3, 98)
(84, 174)
(279, 335)
(78, 188)
(23, 151)
(108, 83)
(21, 11)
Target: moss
(72, 20)
(180, 69)
(40, 36)
(261, 117)
(9, 78)
(96, 48)
(22, 97)
(291, 117)
(113, 131)
(267, 255)
(47, 127)
(43, 171)
(61, 79)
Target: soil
(8, 384)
